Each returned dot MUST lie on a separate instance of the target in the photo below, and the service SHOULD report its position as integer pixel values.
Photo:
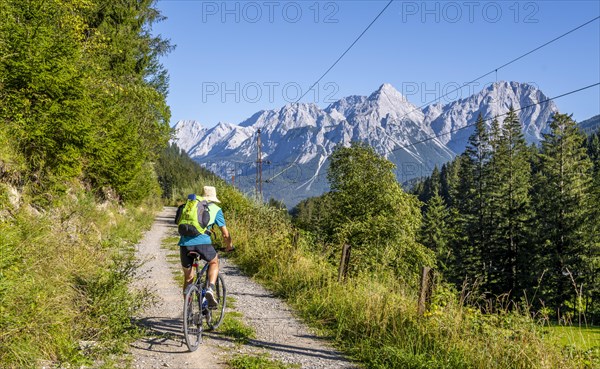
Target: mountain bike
(196, 312)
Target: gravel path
(278, 332)
(166, 347)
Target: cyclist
(202, 244)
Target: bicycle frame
(195, 297)
(202, 289)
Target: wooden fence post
(344, 261)
(425, 290)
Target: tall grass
(373, 317)
(64, 276)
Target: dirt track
(278, 332)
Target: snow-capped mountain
(491, 102)
(189, 133)
(298, 138)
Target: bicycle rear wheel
(192, 317)
(214, 318)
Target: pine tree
(593, 149)
(431, 186)
(510, 208)
(471, 205)
(494, 205)
(563, 211)
(592, 257)
(434, 231)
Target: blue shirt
(202, 239)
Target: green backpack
(194, 219)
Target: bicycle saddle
(193, 254)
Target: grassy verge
(169, 243)
(64, 276)
(374, 317)
(241, 333)
(257, 362)
(235, 328)
(576, 341)
(583, 338)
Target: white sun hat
(210, 194)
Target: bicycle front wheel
(192, 317)
(215, 316)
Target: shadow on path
(297, 350)
(162, 335)
(165, 221)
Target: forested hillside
(178, 174)
(508, 219)
(521, 221)
(590, 126)
(82, 95)
(83, 119)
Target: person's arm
(226, 239)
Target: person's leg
(213, 270)
(188, 277)
(209, 254)
(186, 265)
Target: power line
(269, 180)
(348, 49)
(495, 70)
(547, 43)
(497, 116)
(316, 178)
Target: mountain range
(590, 125)
(298, 138)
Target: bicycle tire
(214, 318)
(192, 317)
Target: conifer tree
(470, 203)
(434, 232)
(444, 185)
(431, 186)
(593, 148)
(510, 206)
(563, 212)
(494, 203)
(592, 257)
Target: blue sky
(234, 58)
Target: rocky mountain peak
(188, 133)
(302, 136)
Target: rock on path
(278, 332)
